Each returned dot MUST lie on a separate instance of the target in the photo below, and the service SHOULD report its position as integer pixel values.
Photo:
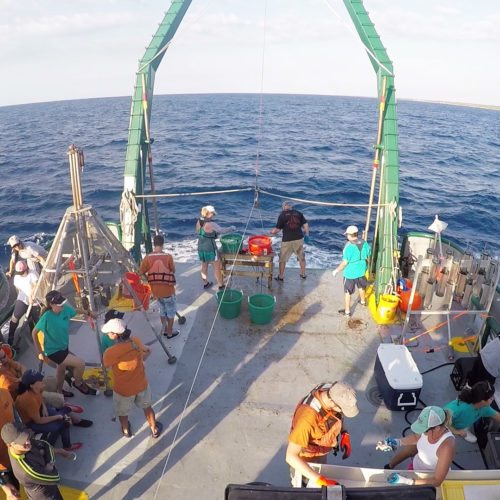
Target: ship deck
(226, 405)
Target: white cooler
(397, 376)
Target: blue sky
(69, 49)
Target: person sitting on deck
(435, 445)
(354, 264)
(8, 482)
(25, 283)
(38, 417)
(126, 359)
(317, 429)
(54, 324)
(159, 269)
(33, 254)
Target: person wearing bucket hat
(53, 327)
(354, 265)
(208, 231)
(34, 255)
(159, 269)
(295, 233)
(434, 444)
(131, 387)
(317, 429)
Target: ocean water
(310, 147)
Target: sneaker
(86, 389)
(469, 437)
(172, 335)
(74, 447)
(363, 303)
(83, 423)
(347, 314)
(67, 394)
(74, 408)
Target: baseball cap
(210, 209)
(352, 230)
(14, 433)
(113, 313)
(21, 266)
(56, 298)
(13, 240)
(429, 417)
(31, 376)
(114, 325)
(344, 396)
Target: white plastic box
(397, 376)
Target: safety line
(175, 195)
(197, 371)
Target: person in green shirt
(106, 341)
(51, 339)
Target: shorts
(123, 404)
(58, 357)
(350, 284)
(168, 306)
(208, 256)
(292, 247)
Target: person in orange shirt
(8, 482)
(126, 359)
(159, 269)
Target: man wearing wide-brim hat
(317, 430)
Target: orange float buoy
(404, 295)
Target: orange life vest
(331, 420)
(159, 273)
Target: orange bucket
(260, 245)
(404, 295)
(134, 280)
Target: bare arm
(305, 228)
(445, 454)
(293, 460)
(409, 440)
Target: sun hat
(31, 376)
(114, 325)
(344, 396)
(56, 298)
(21, 266)
(429, 417)
(113, 313)
(15, 433)
(352, 230)
(13, 240)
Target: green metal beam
(385, 240)
(138, 144)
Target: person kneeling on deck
(159, 269)
(33, 462)
(354, 263)
(317, 430)
(126, 359)
(435, 445)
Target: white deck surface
(227, 403)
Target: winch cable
(195, 376)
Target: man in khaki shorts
(126, 360)
(295, 233)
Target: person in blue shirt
(472, 404)
(354, 264)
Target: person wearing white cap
(435, 445)
(354, 265)
(317, 429)
(126, 359)
(207, 231)
(32, 253)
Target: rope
(351, 29)
(195, 377)
(194, 193)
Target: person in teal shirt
(472, 404)
(51, 338)
(354, 264)
(106, 341)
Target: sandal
(208, 284)
(172, 335)
(128, 431)
(86, 389)
(67, 394)
(279, 279)
(157, 431)
(83, 423)
(303, 276)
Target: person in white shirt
(32, 253)
(25, 282)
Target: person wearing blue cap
(435, 446)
